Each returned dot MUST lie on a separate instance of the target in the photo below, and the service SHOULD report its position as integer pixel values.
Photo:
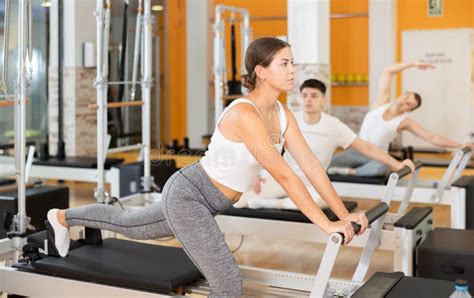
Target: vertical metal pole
(101, 88)
(136, 51)
(6, 35)
(147, 82)
(245, 32)
(21, 118)
(218, 83)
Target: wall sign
(435, 8)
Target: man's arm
(431, 137)
(385, 82)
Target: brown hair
(260, 52)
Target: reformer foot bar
(398, 233)
(451, 190)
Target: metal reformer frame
(101, 83)
(11, 248)
(388, 238)
(256, 281)
(425, 191)
(143, 48)
(220, 69)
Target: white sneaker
(339, 171)
(61, 233)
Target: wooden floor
(287, 255)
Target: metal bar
(245, 41)
(147, 83)
(461, 166)
(29, 161)
(8, 174)
(219, 63)
(30, 32)
(121, 104)
(6, 43)
(101, 102)
(125, 148)
(28, 284)
(105, 48)
(217, 67)
(326, 265)
(20, 220)
(443, 183)
(6, 103)
(284, 18)
(61, 145)
(136, 51)
(123, 82)
(408, 192)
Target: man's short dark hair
(315, 84)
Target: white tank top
(378, 131)
(231, 163)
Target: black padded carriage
(122, 263)
(77, 162)
(285, 215)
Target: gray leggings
(363, 165)
(187, 210)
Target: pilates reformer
(127, 268)
(10, 247)
(219, 67)
(100, 169)
(452, 189)
(288, 224)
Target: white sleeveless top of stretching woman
(378, 131)
(231, 163)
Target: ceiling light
(46, 4)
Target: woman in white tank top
(384, 122)
(250, 133)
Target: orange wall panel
(413, 14)
(350, 96)
(349, 50)
(176, 68)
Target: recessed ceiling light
(157, 7)
(46, 4)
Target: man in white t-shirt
(324, 134)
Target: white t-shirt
(323, 138)
(377, 130)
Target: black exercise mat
(123, 263)
(280, 214)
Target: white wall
(382, 42)
(448, 106)
(308, 30)
(197, 68)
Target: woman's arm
(312, 168)
(250, 128)
(375, 153)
